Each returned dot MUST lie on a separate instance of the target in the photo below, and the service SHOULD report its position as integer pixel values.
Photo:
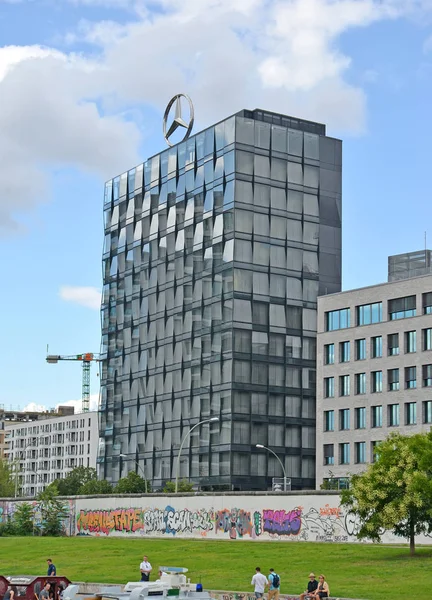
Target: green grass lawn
(369, 572)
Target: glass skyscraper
(215, 252)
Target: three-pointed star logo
(178, 118)
(178, 121)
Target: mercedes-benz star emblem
(178, 120)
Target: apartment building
(374, 372)
(47, 449)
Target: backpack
(276, 580)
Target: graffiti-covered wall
(8, 507)
(285, 517)
(315, 517)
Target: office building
(374, 371)
(49, 447)
(215, 252)
(410, 264)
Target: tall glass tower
(215, 252)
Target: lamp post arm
(283, 468)
(180, 450)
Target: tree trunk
(412, 538)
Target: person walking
(52, 571)
(259, 581)
(274, 581)
(145, 568)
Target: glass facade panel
(212, 270)
(360, 418)
(427, 411)
(393, 415)
(410, 413)
(344, 419)
(344, 352)
(360, 379)
(427, 339)
(393, 380)
(360, 349)
(329, 354)
(410, 341)
(344, 385)
(360, 452)
(376, 381)
(344, 454)
(410, 378)
(402, 308)
(427, 375)
(377, 416)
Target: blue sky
(83, 85)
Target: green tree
(7, 480)
(53, 513)
(132, 484)
(23, 519)
(183, 486)
(74, 480)
(395, 492)
(96, 486)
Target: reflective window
(410, 378)
(393, 344)
(369, 313)
(360, 349)
(344, 454)
(393, 415)
(427, 375)
(427, 339)
(377, 416)
(410, 413)
(402, 308)
(360, 452)
(427, 303)
(344, 385)
(376, 346)
(329, 354)
(376, 381)
(328, 451)
(427, 411)
(360, 380)
(393, 380)
(360, 418)
(410, 341)
(344, 352)
(338, 319)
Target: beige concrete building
(374, 371)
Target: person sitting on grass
(322, 590)
(311, 588)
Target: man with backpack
(274, 581)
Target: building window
(374, 451)
(376, 413)
(427, 339)
(360, 418)
(360, 452)
(369, 313)
(328, 454)
(393, 415)
(329, 420)
(393, 380)
(410, 341)
(402, 308)
(344, 419)
(376, 346)
(411, 413)
(393, 344)
(427, 411)
(329, 387)
(410, 378)
(427, 375)
(338, 319)
(360, 349)
(360, 382)
(344, 454)
(329, 354)
(344, 385)
(377, 381)
(427, 303)
(344, 352)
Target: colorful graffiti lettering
(106, 521)
(331, 511)
(235, 521)
(282, 522)
(130, 520)
(257, 523)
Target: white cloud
(77, 404)
(84, 296)
(65, 109)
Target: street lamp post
(212, 420)
(140, 468)
(280, 462)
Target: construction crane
(86, 360)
